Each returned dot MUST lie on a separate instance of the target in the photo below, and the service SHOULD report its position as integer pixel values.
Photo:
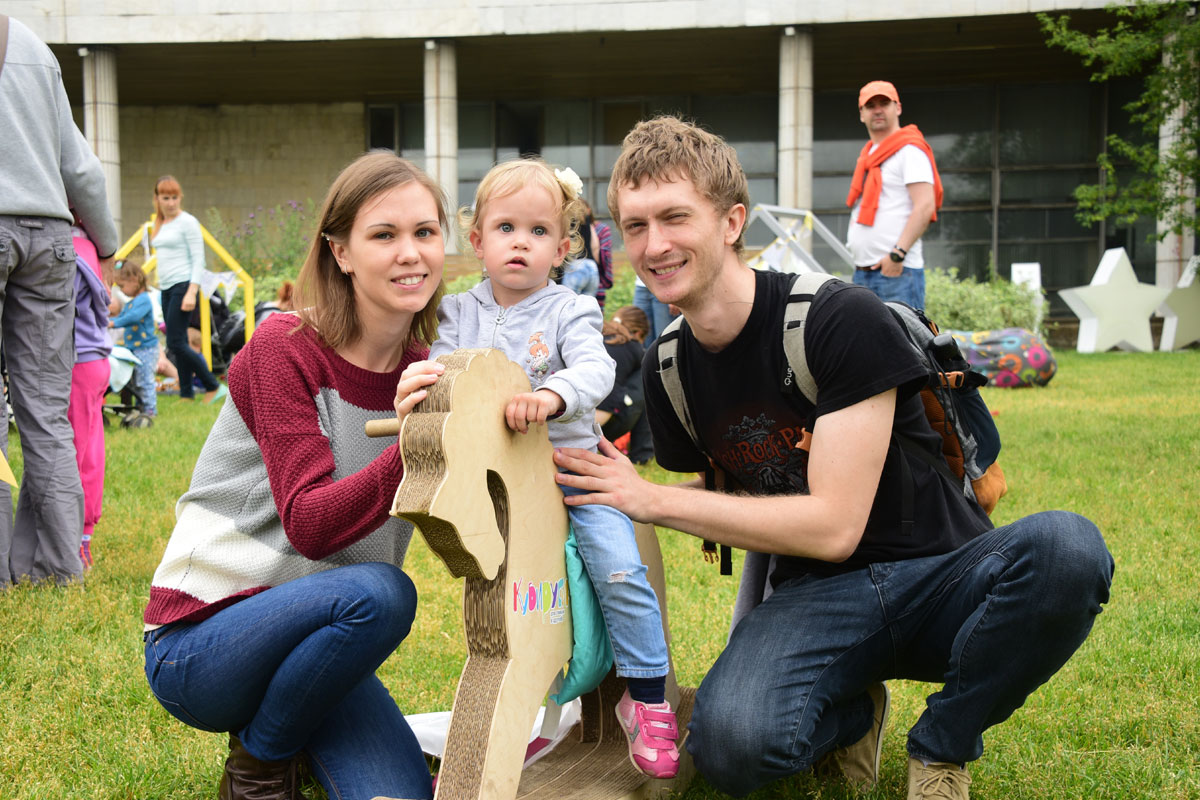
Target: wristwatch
(898, 253)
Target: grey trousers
(37, 330)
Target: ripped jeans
(606, 542)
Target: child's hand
(534, 407)
(411, 389)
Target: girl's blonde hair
(164, 185)
(132, 271)
(512, 176)
(323, 293)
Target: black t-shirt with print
(750, 421)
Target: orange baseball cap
(876, 89)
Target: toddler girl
(522, 228)
(137, 318)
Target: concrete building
(259, 102)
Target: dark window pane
(1049, 123)
(971, 260)
(955, 226)
(1043, 185)
(957, 123)
(750, 124)
(966, 188)
(381, 127)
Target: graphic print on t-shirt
(763, 457)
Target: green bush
(270, 244)
(969, 305)
(621, 293)
(463, 283)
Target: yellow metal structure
(142, 237)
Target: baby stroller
(122, 363)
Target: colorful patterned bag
(1010, 357)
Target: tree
(1159, 39)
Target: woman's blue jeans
(992, 621)
(188, 362)
(292, 669)
(608, 546)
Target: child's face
(519, 238)
(129, 286)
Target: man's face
(676, 239)
(880, 115)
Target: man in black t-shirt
(853, 597)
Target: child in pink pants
(89, 384)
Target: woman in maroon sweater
(280, 592)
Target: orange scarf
(868, 179)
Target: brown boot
(247, 778)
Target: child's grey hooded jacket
(554, 335)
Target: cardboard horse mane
(486, 502)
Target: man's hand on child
(535, 407)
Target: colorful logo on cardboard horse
(549, 598)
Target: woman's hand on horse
(535, 407)
(412, 387)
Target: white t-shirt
(869, 243)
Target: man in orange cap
(894, 195)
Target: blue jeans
(188, 362)
(657, 312)
(908, 287)
(992, 620)
(582, 276)
(143, 375)
(293, 669)
(608, 547)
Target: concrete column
(101, 120)
(1172, 252)
(441, 123)
(796, 117)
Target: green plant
(268, 242)
(968, 305)
(621, 293)
(463, 283)
(1158, 40)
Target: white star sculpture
(1181, 311)
(1114, 311)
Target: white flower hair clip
(571, 182)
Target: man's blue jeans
(992, 620)
(908, 287)
(293, 669)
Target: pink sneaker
(652, 734)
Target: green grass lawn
(1115, 437)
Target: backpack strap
(800, 298)
(668, 371)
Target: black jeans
(187, 361)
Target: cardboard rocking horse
(486, 502)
